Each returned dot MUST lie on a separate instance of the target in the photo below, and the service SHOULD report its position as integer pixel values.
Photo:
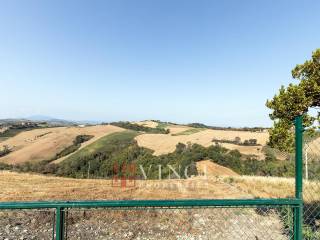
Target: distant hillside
(51, 120)
(201, 134)
(45, 143)
(251, 129)
(78, 151)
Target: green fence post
(298, 211)
(60, 223)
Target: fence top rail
(152, 203)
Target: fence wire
(181, 223)
(27, 224)
(311, 191)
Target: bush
(237, 141)
(5, 151)
(81, 139)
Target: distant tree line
(248, 129)
(237, 141)
(17, 127)
(5, 151)
(137, 127)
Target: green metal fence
(175, 219)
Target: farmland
(57, 151)
(44, 143)
(93, 151)
(166, 143)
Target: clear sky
(214, 62)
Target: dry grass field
(30, 187)
(209, 168)
(176, 129)
(147, 123)
(209, 223)
(166, 143)
(274, 187)
(43, 144)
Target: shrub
(5, 151)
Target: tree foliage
(294, 100)
(5, 151)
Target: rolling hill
(166, 143)
(45, 143)
(78, 151)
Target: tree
(180, 147)
(294, 100)
(253, 141)
(6, 150)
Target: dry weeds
(33, 187)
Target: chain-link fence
(311, 190)
(214, 223)
(263, 222)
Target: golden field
(45, 143)
(32, 187)
(166, 143)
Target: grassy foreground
(25, 186)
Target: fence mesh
(311, 191)
(27, 224)
(181, 223)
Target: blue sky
(214, 62)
